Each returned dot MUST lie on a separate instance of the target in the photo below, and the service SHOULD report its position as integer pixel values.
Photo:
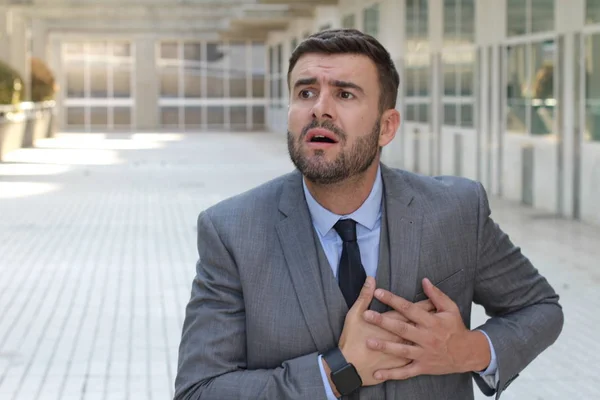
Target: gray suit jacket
(261, 307)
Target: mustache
(324, 125)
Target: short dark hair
(352, 41)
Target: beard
(349, 162)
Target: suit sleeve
(526, 317)
(212, 353)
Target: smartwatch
(343, 374)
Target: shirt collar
(366, 215)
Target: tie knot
(346, 228)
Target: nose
(323, 107)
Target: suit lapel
(295, 233)
(405, 226)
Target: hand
(442, 343)
(354, 338)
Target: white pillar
(146, 84)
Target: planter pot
(12, 132)
(37, 127)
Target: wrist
(328, 374)
(477, 355)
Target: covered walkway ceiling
(227, 19)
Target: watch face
(347, 379)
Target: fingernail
(378, 375)
(369, 315)
(379, 293)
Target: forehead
(348, 67)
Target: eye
(346, 95)
(306, 94)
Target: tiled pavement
(97, 253)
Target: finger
(426, 305)
(396, 349)
(395, 315)
(366, 295)
(400, 328)
(439, 299)
(408, 371)
(405, 307)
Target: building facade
(502, 91)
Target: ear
(390, 121)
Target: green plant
(43, 84)
(11, 85)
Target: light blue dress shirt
(368, 227)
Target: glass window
(349, 21)
(76, 116)
(237, 69)
(325, 27)
(192, 51)
(294, 44)
(192, 86)
(258, 116)
(192, 116)
(516, 17)
(122, 116)
(99, 116)
(423, 19)
(592, 11)
(450, 77)
(75, 80)
(466, 115)
(99, 81)
(450, 18)
(215, 84)
(411, 112)
(423, 110)
(542, 15)
(168, 51)
(516, 84)
(371, 20)
(592, 87)
(169, 116)
(121, 49)
(97, 49)
(423, 81)
(237, 116)
(122, 83)
(543, 102)
(279, 58)
(466, 77)
(169, 82)
(215, 115)
(529, 16)
(450, 115)
(466, 25)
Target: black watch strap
(335, 359)
(343, 374)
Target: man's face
(334, 117)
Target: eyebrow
(336, 83)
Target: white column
(146, 84)
(569, 19)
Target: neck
(345, 197)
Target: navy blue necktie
(351, 274)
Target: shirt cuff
(491, 375)
(328, 390)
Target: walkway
(97, 254)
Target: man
(284, 304)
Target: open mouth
(321, 139)
(321, 136)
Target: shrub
(43, 84)
(11, 85)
